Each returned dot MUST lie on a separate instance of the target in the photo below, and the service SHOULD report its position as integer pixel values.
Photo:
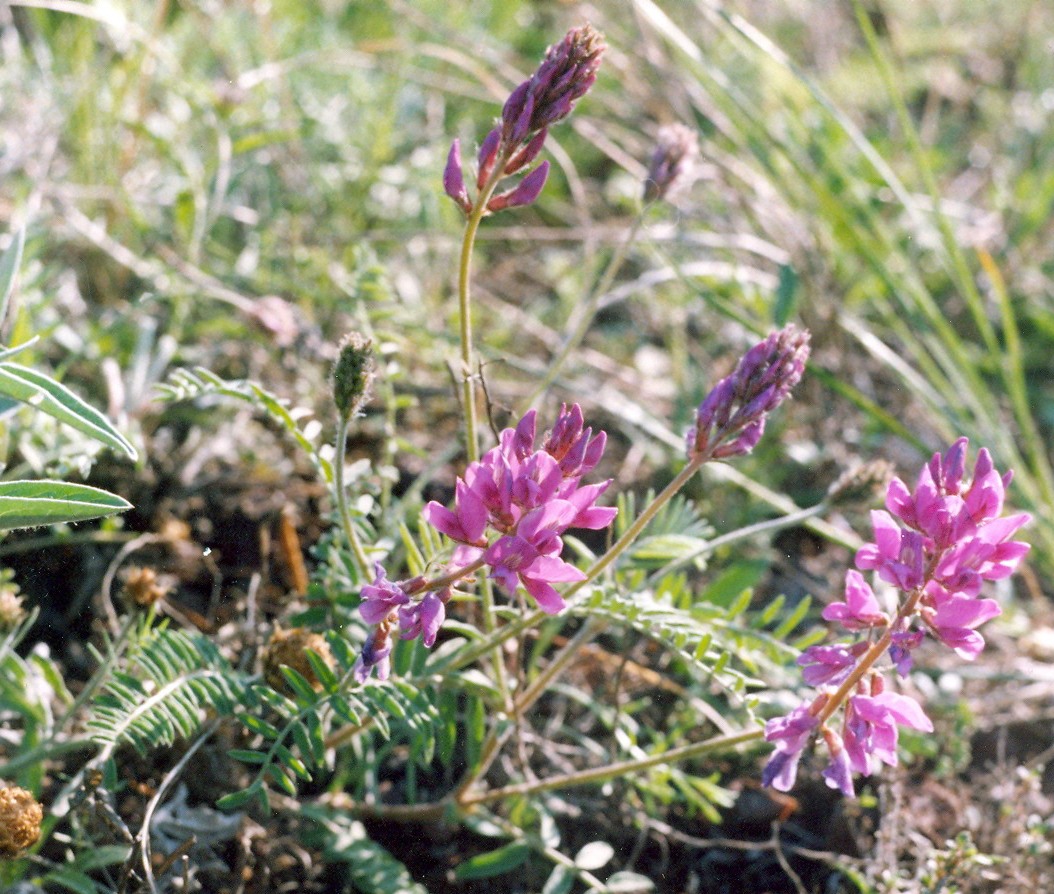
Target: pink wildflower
(936, 545)
(870, 731)
(791, 734)
(529, 497)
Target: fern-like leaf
(185, 384)
(168, 685)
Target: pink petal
(443, 520)
(471, 512)
(905, 710)
(552, 569)
(959, 612)
(549, 601)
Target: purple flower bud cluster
(566, 73)
(935, 546)
(510, 510)
(731, 419)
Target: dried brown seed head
(289, 647)
(20, 819)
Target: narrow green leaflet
(26, 504)
(493, 863)
(8, 268)
(48, 396)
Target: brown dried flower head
(289, 647)
(143, 587)
(20, 819)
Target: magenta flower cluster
(935, 547)
(528, 498)
(566, 73)
(511, 509)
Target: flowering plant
(934, 547)
(514, 505)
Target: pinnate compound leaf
(26, 504)
(50, 397)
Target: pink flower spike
(454, 179)
(525, 193)
(860, 609)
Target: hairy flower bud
(20, 819)
(673, 162)
(352, 374)
(143, 587)
(860, 482)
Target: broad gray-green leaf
(9, 264)
(26, 504)
(48, 396)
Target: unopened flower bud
(564, 76)
(289, 648)
(454, 178)
(526, 192)
(731, 420)
(488, 154)
(20, 819)
(528, 153)
(352, 374)
(673, 162)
